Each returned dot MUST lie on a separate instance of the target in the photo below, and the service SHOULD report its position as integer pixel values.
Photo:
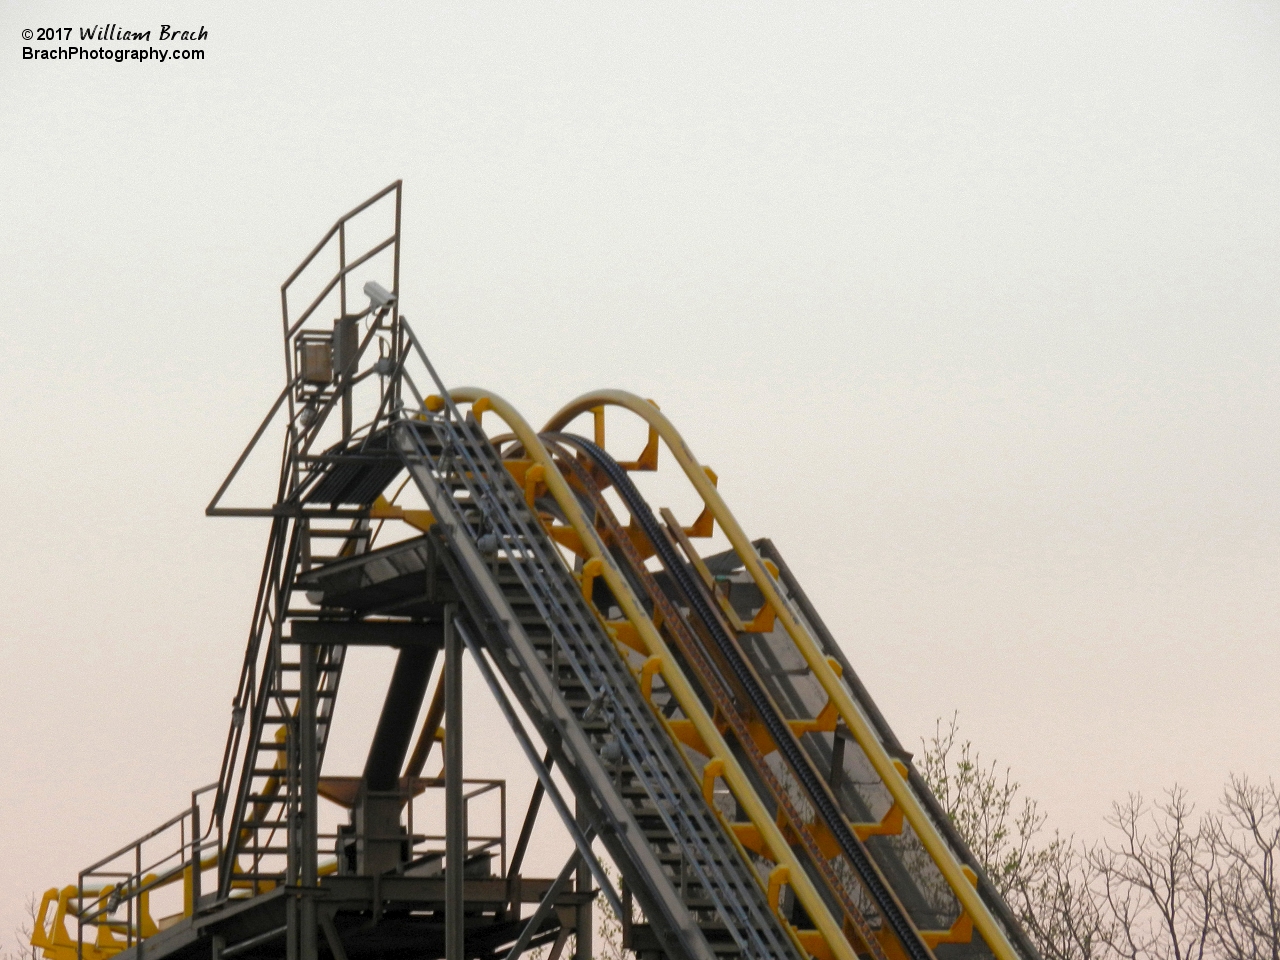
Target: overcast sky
(973, 308)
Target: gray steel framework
(484, 579)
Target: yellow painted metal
(533, 479)
(779, 877)
(432, 732)
(106, 940)
(890, 825)
(748, 835)
(39, 930)
(858, 724)
(45, 929)
(626, 632)
(50, 936)
(712, 770)
(648, 459)
(382, 510)
(764, 618)
(590, 570)
(688, 734)
(733, 774)
(57, 943)
(811, 942)
(652, 667)
(813, 945)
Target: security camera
(379, 296)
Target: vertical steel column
(195, 854)
(455, 843)
(346, 344)
(291, 928)
(308, 874)
(582, 949)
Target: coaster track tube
(714, 684)
(832, 648)
(816, 791)
(858, 724)
(733, 774)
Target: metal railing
(308, 408)
(468, 461)
(114, 895)
(476, 844)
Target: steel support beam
(308, 873)
(582, 930)
(455, 830)
(556, 724)
(581, 840)
(405, 693)
(545, 906)
(374, 633)
(332, 936)
(526, 828)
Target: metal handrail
(96, 903)
(902, 789)
(335, 228)
(677, 811)
(339, 276)
(485, 785)
(565, 613)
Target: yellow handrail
(51, 936)
(674, 677)
(838, 693)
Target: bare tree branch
(1047, 884)
(20, 948)
(1246, 839)
(1157, 879)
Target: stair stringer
(513, 653)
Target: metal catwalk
(748, 796)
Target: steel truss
(719, 752)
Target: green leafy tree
(1043, 876)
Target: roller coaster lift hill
(729, 786)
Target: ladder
(266, 712)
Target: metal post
(137, 897)
(80, 919)
(291, 945)
(346, 343)
(342, 267)
(454, 816)
(582, 947)
(195, 854)
(545, 906)
(308, 872)
(837, 759)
